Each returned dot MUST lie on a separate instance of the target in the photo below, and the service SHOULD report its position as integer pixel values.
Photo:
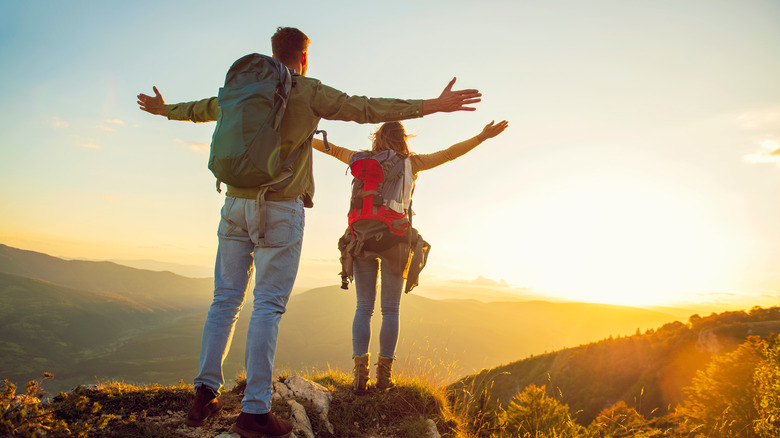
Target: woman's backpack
(380, 205)
(380, 217)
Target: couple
(276, 252)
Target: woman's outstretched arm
(429, 161)
(337, 152)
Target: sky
(641, 165)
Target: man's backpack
(245, 148)
(380, 206)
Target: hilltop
(321, 405)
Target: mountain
(157, 290)
(152, 335)
(442, 338)
(195, 271)
(647, 370)
(465, 335)
(48, 327)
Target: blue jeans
(275, 256)
(365, 271)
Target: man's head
(290, 47)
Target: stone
(300, 419)
(318, 395)
(282, 391)
(433, 432)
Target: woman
(366, 262)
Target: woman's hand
(492, 129)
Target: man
(275, 253)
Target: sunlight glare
(621, 244)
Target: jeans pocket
(227, 227)
(280, 223)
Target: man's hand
(450, 101)
(492, 129)
(154, 105)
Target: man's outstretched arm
(331, 104)
(205, 110)
(450, 101)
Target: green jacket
(309, 102)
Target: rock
(282, 391)
(318, 395)
(235, 435)
(308, 390)
(300, 419)
(433, 432)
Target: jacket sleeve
(429, 161)
(332, 104)
(337, 152)
(205, 110)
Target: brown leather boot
(261, 426)
(205, 405)
(360, 374)
(384, 373)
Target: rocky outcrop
(296, 387)
(433, 432)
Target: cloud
(106, 124)
(768, 152)
(57, 123)
(193, 146)
(759, 119)
(89, 146)
(761, 127)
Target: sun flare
(620, 244)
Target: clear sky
(642, 163)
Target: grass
(118, 409)
(400, 412)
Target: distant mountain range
(83, 320)
(158, 290)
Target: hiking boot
(384, 373)
(253, 426)
(360, 374)
(205, 405)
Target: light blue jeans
(276, 256)
(366, 271)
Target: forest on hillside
(717, 375)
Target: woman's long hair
(390, 136)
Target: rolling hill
(48, 327)
(647, 370)
(157, 290)
(442, 339)
(145, 327)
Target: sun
(627, 243)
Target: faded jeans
(275, 257)
(365, 271)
